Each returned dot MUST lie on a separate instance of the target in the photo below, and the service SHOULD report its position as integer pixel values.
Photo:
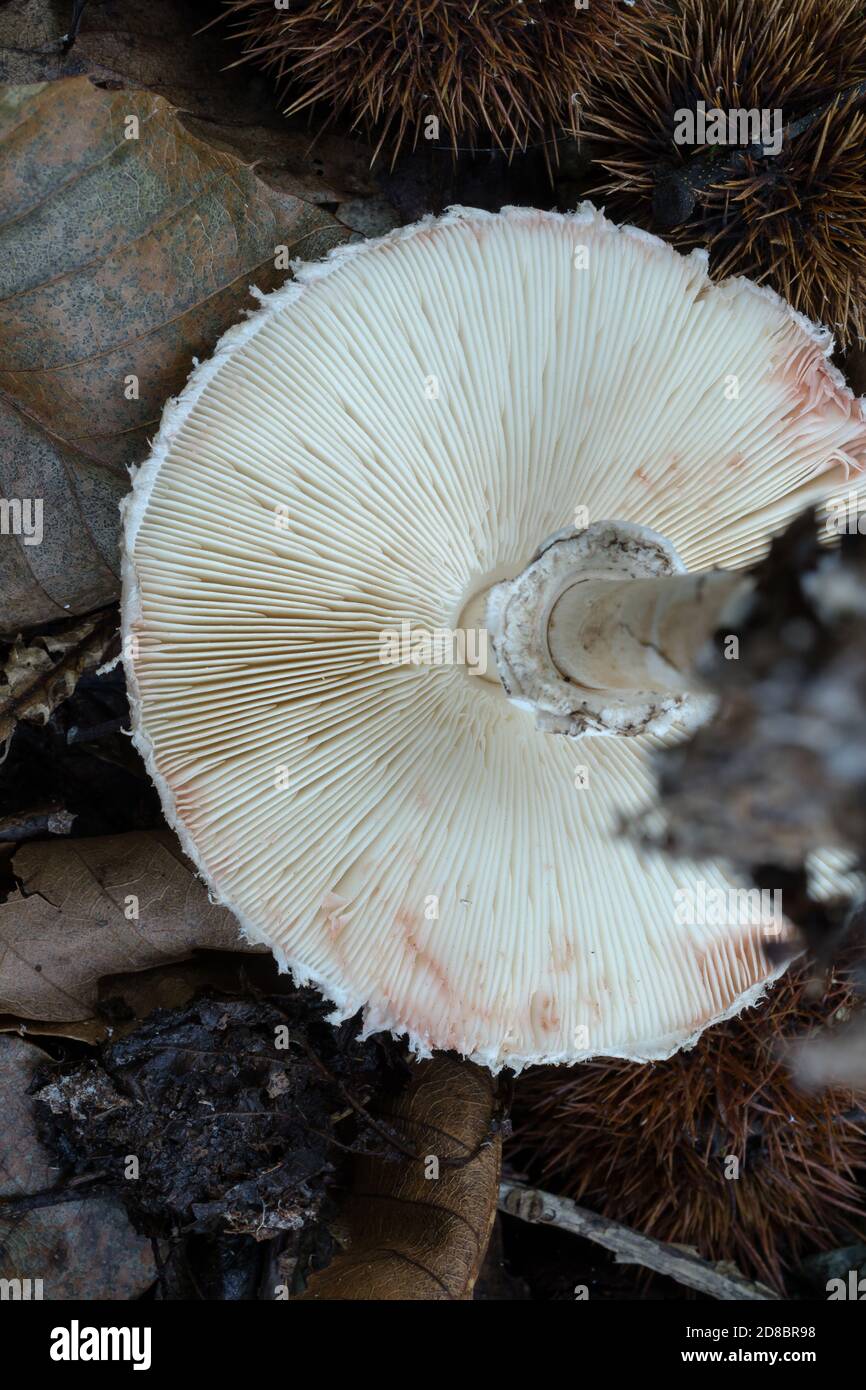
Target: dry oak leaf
(68, 925)
(127, 246)
(161, 47)
(39, 674)
(411, 1234)
(78, 1249)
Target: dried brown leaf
(68, 926)
(128, 244)
(411, 1236)
(160, 47)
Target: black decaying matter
(230, 1131)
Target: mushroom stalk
(601, 633)
(638, 634)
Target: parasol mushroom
(383, 448)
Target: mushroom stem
(638, 634)
(601, 632)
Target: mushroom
(533, 425)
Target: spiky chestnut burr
(506, 73)
(796, 219)
(649, 1145)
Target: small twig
(628, 1247)
(208, 1052)
(389, 1135)
(53, 819)
(74, 25)
(352, 1149)
(95, 732)
(356, 1105)
(50, 1196)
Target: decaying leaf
(88, 1030)
(128, 246)
(94, 907)
(124, 1000)
(77, 1249)
(417, 1228)
(161, 47)
(37, 674)
(59, 554)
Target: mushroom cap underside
(398, 427)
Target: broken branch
(627, 1246)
